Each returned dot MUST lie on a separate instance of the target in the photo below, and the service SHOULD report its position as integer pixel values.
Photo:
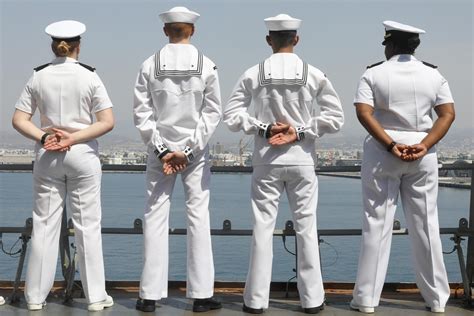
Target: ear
(192, 31)
(165, 31)
(296, 40)
(269, 40)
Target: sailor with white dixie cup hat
(284, 91)
(177, 108)
(67, 95)
(394, 102)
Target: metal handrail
(465, 229)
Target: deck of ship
(397, 299)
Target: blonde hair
(63, 48)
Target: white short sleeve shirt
(403, 92)
(66, 95)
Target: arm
(236, 116)
(143, 114)
(210, 117)
(329, 120)
(446, 116)
(365, 115)
(21, 121)
(331, 116)
(104, 124)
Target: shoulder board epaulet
(376, 64)
(429, 65)
(41, 67)
(90, 68)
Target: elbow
(110, 125)
(16, 122)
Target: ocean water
(339, 207)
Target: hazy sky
(339, 37)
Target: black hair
(282, 38)
(405, 43)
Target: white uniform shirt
(66, 94)
(177, 103)
(403, 91)
(284, 89)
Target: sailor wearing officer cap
(394, 102)
(67, 95)
(177, 108)
(284, 91)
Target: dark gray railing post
(25, 237)
(470, 243)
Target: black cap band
(67, 40)
(399, 36)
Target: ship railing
(464, 230)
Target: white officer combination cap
(395, 26)
(68, 30)
(282, 22)
(179, 15)
(396, 30)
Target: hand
(174, 162)
(279, 127)
(415, 152)
(399, 150)
(59, 141)
(284, 138)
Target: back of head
(404, 43)
(63, 48)
(282, 39)
(179, 30)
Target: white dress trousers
(301, 186)
(200, 264)
(77, 174)
(384, 177)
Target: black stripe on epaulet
(376, 64)
(41, 67)
(429, 65)
(90, 68)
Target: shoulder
(429, 64)
(89, 68)
(375, 65)
(316, 72)
(252, 72)
(208, 63)
(41, 67)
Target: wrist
(390, 146)
(264, 130)
(299, 133)
(188, 152)
(161, 150)
(44, 137)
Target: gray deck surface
(393, 303)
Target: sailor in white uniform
(394, 102)
(68, 95)
(177, 108)
(283, 90)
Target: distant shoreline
(442, 183)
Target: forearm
(439, 129)
(374, 128)
(21, 121)
(28, 129)
(93, 131)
